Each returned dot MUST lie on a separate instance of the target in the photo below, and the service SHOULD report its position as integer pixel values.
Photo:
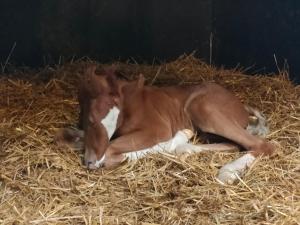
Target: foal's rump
(212, 100)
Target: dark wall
(46, 31)
(62, 29)
(177, 27)
(254, 33)
(248, 33)
(18, 24)
(113, 29)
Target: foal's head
(99, 101)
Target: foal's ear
(90, 71)
(112, 81)
(111, 70)
(111, 76)
(141, 81)
(92, 84)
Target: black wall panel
(251, 33)
(248, 33)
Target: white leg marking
(229, 173)
(188, 148)
(99, 162)
(110, 121)
(181, 137)
(192, 148)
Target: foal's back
(152, 107)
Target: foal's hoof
(227, 176)
(189, 133)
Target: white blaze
(110, 121)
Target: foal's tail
(257, 122)
(71, 137)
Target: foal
(126, 120)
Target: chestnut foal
(126, 120)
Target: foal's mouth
(93, 165)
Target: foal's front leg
(138, 144)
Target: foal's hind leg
(211, 116)
(256, 146)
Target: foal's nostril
(90, 165)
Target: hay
(41, 183)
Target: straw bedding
(41, 183)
